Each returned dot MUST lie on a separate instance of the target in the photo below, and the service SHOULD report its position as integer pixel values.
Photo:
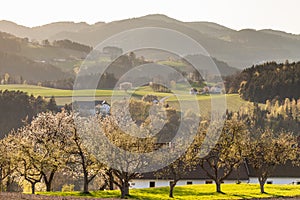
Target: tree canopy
(266, 82)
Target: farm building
(282, 174)
(196, 176)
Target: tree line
(17, 106)
(68, 44)
(266, 81)
(52, 146)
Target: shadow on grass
(209, 193)
(181, 192)
(93, 194)
(258, 196)
(274, 195)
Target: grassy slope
(47, 92)
(232, 191)
(65, 96)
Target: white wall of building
(275, 180)
(144, 183)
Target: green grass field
(234, 102)
(48, 92)
(231, 191)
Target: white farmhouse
(197, 176)
(282, 174)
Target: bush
(68, 188)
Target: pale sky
(237, 14)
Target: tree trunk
(218, 186)
(125, 190)
(8, 184)
(48, 183)
(1, 179)
(33, 187)
(172, 186)
(111, 181)
(262, 186)
(85, 183)
(48, 186)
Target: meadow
(231, 191)
(233, 101)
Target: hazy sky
(238, 14)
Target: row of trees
(45, 146)
(263, 150)
(68, 44)
(53, 143)
(6, 78)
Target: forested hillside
(24, 61)
(17, 66)
(17, 106)
(266, 82)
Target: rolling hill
(237, 48)
(29, 70)
(37, 62)
(42, 32)
(57, 60)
